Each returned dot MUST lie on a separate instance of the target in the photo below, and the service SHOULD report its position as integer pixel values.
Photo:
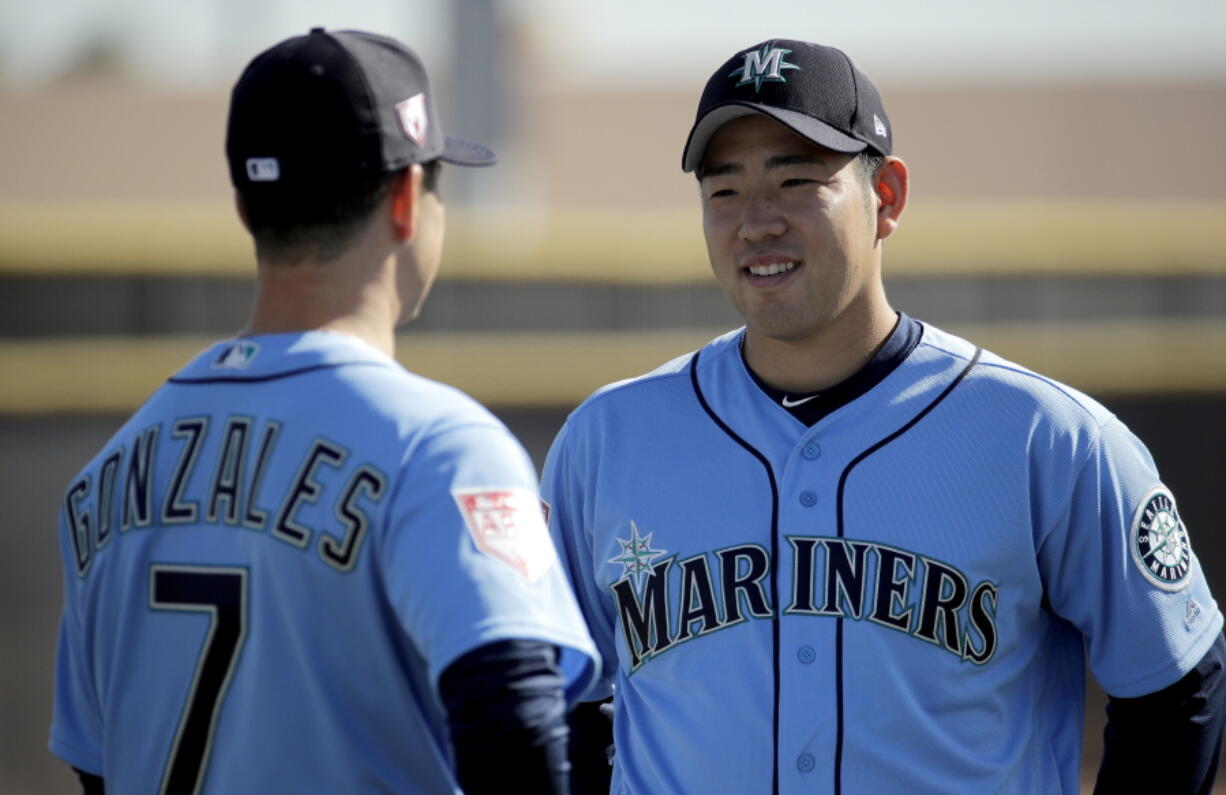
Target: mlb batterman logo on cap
(333, 106)
(815, 91)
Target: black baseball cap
(815, 91)
(333, 107)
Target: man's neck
(821, 360)
(354, 298)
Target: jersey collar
(266, 356)
(811, 407)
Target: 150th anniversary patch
(1159, 541)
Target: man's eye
(721, 193)
(794, 181)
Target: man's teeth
(772, 269)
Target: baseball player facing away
(842, 551)
(299, 567)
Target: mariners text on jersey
(832, 577)
(128, 494)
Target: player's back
(246, 552)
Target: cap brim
(808, 127)
(463, 153)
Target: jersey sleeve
(1118, 564)
(76, 721)
(467, 559)
(563, 488)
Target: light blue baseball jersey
(270, 564)
(900, 598)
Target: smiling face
(791, 231)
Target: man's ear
(241, 208)
(405, 195)
(891, 187)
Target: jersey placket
(807, 654)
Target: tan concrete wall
(104, 141)
(1114, 141)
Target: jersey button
(811, 450)
(804, 763)
(806, 654)
(808, 498)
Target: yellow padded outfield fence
(1077, 238)
(105, 374)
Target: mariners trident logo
(636, 556)
(763, 66)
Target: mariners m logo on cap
(763, 66)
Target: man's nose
(761, 220)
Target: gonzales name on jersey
(228, 494)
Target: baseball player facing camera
(299, 567)
(840, 550)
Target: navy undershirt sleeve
(591, 747)
(507, 714)
(1169, 741)
(90, 784)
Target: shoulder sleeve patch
(1159, 541)
(508, 524)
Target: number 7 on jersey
(222, 593)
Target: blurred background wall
(1068, 211)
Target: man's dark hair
(431, 173)
(868, 164)
(320, 224)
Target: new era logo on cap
(263, 169)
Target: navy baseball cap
(330, 108)
(815, 91)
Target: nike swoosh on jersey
(788, 404)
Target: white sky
(184, 43)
